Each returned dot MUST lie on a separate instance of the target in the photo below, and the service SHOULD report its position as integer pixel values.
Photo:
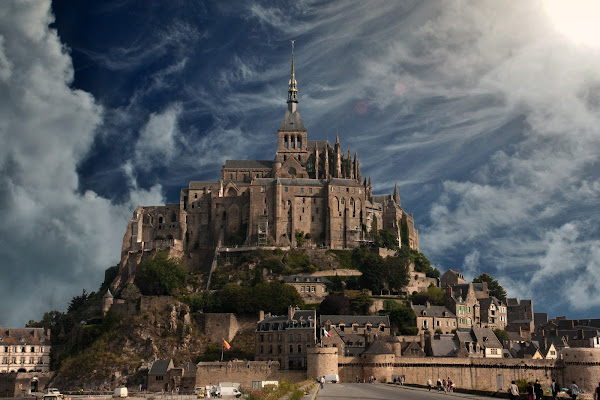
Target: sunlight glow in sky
(579, 20)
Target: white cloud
(158, 139)
(55, 240)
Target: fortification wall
(244, 372)
(581, 365)
(321, 361)
(473, 373)
(219, 325)
(17, 384)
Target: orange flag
(227, 346)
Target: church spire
(293, 89)
(396, 195)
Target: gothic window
(299, 142)
(160, 219)
(293, 142)
(285, 141)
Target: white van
(333, 378)
(228, 391)
(120, 392)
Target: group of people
(536, 392)
(442, 384)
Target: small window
(285, 190)
(302, 191)
(309, 190)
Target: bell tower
(292, 135)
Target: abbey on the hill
(311, 191)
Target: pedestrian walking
(429, 385)
(597, 393)
(574, 389)
(537, 390)
(444, 385)
(530, 391)
(322, 381)
(513, 391)
(439, 384)
(555, 389)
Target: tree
(434, 295)
(360, 304)
(422, 264)
(493, 285)
(160, 275)
(77, 301)
(335, 304)
(371, 267)
(402, 318)
(501, 334)
(395, 272)
(387, 239)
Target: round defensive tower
(378, 361)
(321, 361)
(582, 365)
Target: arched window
(285, 141)
(160, 219)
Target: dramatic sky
(485, 113)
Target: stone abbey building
(310, 188)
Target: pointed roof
(337, 137)
(293, 89)
(107, 295)
(396, 195)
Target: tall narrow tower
(291, 135)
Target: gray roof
(249, 164)
(486, 337)
(344, 182)
(202, 184)
(160, 367)
(445, 346)
(319, 144)
(305, 278)
(292, 122)
(433, 311)
(302, 319)
(381, 198)
(378, 347)
(300, 182)
(263, 181)
(107, 295)
(486, 301)
(361, 320)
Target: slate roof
(305, 278)
(485, 337)
(378, 347)
(361, 320)
(249, 164)
(202, 184)
(160, 367)
(445, 346)
(486, 301)
(282, 322)
(433, 311)
(300, 182)
(381, 198)
(23, 336)
(292, 122)
(319, 144)
(344, 182)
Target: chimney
(261, 315)
(427, 304)
(448, 291)
(48, 333)
(291, 312)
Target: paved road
(378, 391)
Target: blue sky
(485, 113)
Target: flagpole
(222, 345)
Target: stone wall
(244, 372)
(321, 361)
(472, 373)
(581, 365)
(23, 383)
